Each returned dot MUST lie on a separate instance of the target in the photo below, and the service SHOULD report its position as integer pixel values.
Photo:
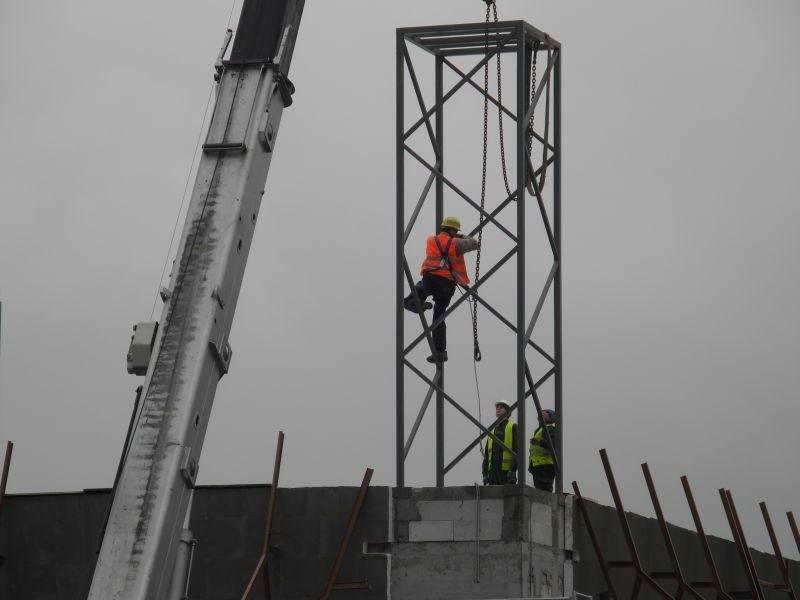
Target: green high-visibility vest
(508, 440)
(541, 456)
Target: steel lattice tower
(533, 122)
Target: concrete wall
(420, 540)
(408, 543)
(48, 542)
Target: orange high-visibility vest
(444, 260)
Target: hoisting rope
(183, 199)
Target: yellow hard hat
(453, 222)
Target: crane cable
(186, 184)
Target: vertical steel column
(559, 374)
(439, 217)
(522, 157)
(400, 257)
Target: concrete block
(459, 510)
(491, 529)
(541, 524)
(430, 531)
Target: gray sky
(680, 185)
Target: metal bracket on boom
(219, 65)
(189, 467)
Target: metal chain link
(529, 134)
(533, 95)
(475, 345)
(491, 10)
(500, 115)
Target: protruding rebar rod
(261, 565)
(331, 585)
(712, 567)
(741, 544)
(683, 585)
(745, 545)
(6, 467)
(782, 565)
(595, 542)
(795, 530)
(626, 530)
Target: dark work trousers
(543, 477)
(442, 290)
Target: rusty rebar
(331, 584)
(795, 531)
(741, 544)
(6, 467)
(782, 565)
(712, 567)
(683, 585)
(626, 530)
(595, 542)
(261, 565)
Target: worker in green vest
(499, 465)
(541, 463)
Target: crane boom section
(137, 556)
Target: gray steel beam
(557, 290)
(400, 259)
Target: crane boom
(191, 352)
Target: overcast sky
(681, 173)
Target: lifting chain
(491, 11)
(530, 130)
(529, 133)
(475, 345)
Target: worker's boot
(409, 303)
(439, 356)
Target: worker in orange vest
(443, 268)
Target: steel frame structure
(484, 41)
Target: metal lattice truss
(535, 157)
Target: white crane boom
(191, 353)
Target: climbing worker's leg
(442, 290)
(410, 303)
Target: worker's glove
(486, 479)
(511, 477)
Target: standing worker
(442, 269)
(541, 463)
(500, 465)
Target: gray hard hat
(550, 413)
